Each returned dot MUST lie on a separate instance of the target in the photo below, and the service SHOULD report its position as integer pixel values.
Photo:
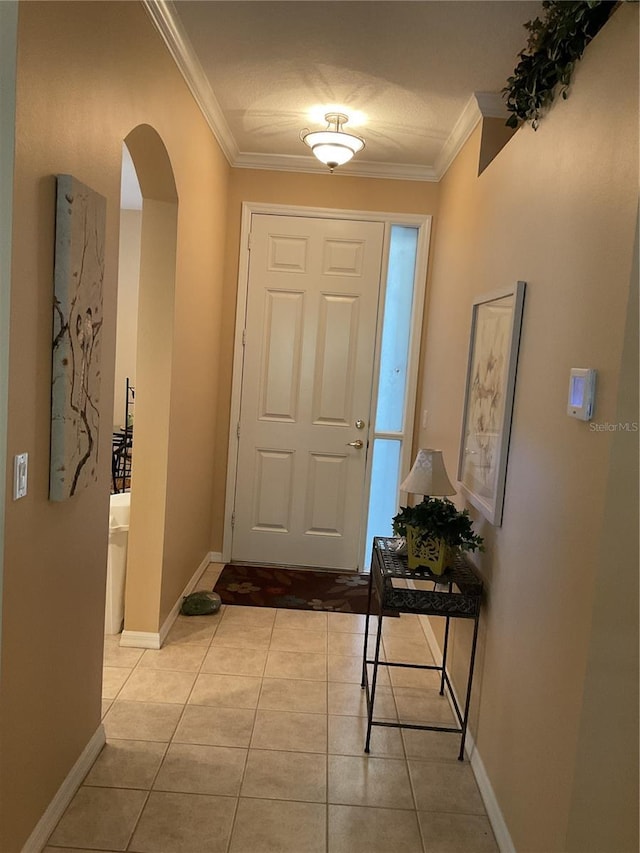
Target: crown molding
(480, 105)
(164, 16)
(309, 165)
(165, 19)
(469, 118)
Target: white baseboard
(140, 639)
(494, 813)
(65, 794)
(151, 640)
(216, 557)
(173, 615)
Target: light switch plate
(20, 470)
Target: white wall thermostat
(582, 389)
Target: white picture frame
(496, 321)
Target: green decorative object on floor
(200, 603)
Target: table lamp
(428, 476)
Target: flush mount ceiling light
(333, 146)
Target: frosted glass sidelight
(397, 329)
(384, 490)
(389, 427)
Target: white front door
(306, 390)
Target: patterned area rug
(296, 589)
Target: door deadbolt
(359, 424)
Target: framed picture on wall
(77, 336)
(496, 319)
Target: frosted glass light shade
(333, 147)
(428, 476)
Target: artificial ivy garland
(554, 46)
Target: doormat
(294, 589)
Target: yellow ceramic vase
(434, 555)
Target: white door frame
(420, 221)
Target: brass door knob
(356, 443)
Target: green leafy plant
(438, 518)
(556, 42)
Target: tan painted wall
(607, 766)
(127, 322)
(342, 192)
(8, 47)
(88, 73)
(556, 208)
(495, 135)
(154, 356)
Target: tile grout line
(246, 759)
(404, 751)
(171, 737)
(233, 825)
(171, 742)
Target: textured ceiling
(406, 71)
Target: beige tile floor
(245, 734)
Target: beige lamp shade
(428, 475)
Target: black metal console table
(457, 595)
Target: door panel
(336, 354)
(282, 341)
(308, 368)
(272, 495)
(325, 497)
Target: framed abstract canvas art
(77, 334)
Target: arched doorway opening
(153, 384)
